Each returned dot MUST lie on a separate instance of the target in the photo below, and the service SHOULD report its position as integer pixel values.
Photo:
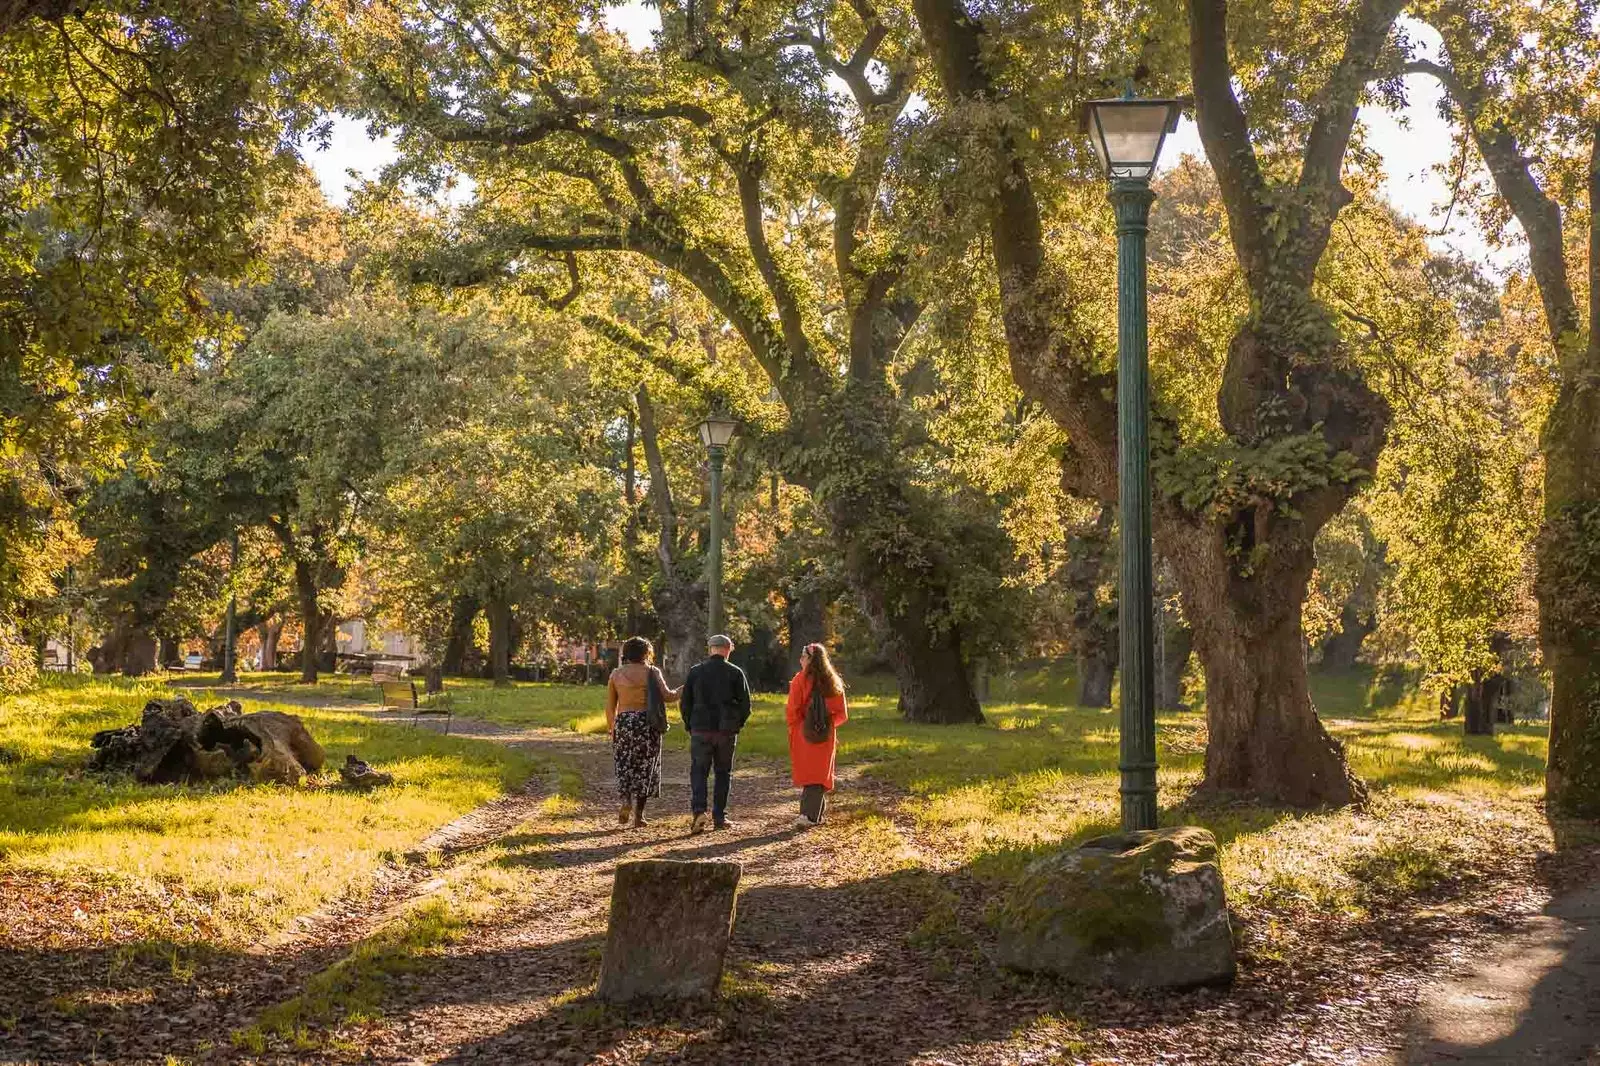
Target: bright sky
(1414, 145)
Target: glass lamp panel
(717, 430)
(1132, 132)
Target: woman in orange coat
(813, 730)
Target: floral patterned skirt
(637, 751)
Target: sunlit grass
(1041, 772)
(252, 856)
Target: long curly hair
(637, 650)
(823, 675)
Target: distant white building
(355, 637)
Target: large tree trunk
(1264, 734)
(1090, 566)
(463, 612)
(935, 685)
(500, 639)
(1568, 584)
(1179, 647)
(269, 632)
(311, 615)
(1339, 651)
(1097, 672)
(903, 593)
(132, 650)
(681, 609)
(1482, 696)
(167, 649)
(807, 616)
(328, 653)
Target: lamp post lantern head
(718, 428)
(1127, 133)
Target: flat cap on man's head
(721, 640)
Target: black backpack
(818, 724)
(655, 704)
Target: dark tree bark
(463, 612)
(806, 613)
(500, 638)
(166, 649)
(678, 598)
(1179, 648)
(1340, 651)
(1091, 564)
(1566, 587)
(1450, 701)
(328, 651)
(132, 650)
(307, 595)
(1482, 696)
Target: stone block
(1133, 910)
(669, 929)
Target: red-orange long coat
(811, 764)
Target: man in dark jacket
(715, 706)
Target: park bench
(402, 696)
(193, 662)
(52, 661)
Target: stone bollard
(669, 929)
(1133, 910)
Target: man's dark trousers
(715, 705)
(708, 751)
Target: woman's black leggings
(813, 801)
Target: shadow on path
(1534, 999)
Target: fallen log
(173, 743)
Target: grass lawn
(225, 862)
(1042, 772)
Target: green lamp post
(1127, 134)
(230, 671)
(715, 433)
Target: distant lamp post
(1127, 135)
(230, 672)
(715, 433)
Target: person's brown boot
(624, 812)
(698, 824)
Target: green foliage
(141, 144)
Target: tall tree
(1523, 80)
(721, 156)
(139, 143)
(1297, 426)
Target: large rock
(1134, 910)
(669, 929)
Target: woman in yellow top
(635, 747)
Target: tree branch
(1226, 136)
(1323, 194)
(660, 489)
(1539, 215)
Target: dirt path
(817, 942)
(1533, 998)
